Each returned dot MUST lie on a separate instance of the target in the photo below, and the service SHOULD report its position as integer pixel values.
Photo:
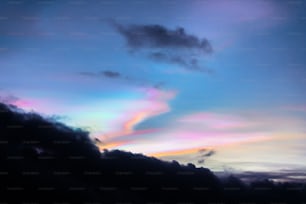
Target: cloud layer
(193, 132)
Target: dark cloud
(159, 85)
(45, 161)
(161, 44)
(208, 154)
(117, 75)
(111, 74)
(157, 36)
(204, 154)
(191, 64)
(106, 73)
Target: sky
(219, 83)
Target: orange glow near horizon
(191, 150)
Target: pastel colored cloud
(215, 120)
(107, 119)
(155, 102)
(192, 132)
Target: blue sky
(244, 99)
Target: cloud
(154, 103)
(141, 82)
(283, 175)
(161, 44)
(111, 118)
(191, 64)
(105, 73)
(11, 99)
(47, 161)
(204, 154)
(157, 36)
(215, 121)
(58, 157)
(191, 132)
(111, 74)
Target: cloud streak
(190, 133)
(105, 73)
(191, 64)
(154, 103)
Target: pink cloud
(192, 132)
(155, 102)
(25, 104)
(108, 119)
(215, 120)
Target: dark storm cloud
(161, 44)
(46, 161)
(157, 36)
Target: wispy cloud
(154, 103)
(211, 131)
(105, 73)
(191, 64)
(124, 78)
(191, 133)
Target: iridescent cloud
(108, 119)
(192, 132)
(155, 102)
(215, 120)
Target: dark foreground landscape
(43, 161)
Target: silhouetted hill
(43, 161)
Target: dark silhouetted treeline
(43, 161)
